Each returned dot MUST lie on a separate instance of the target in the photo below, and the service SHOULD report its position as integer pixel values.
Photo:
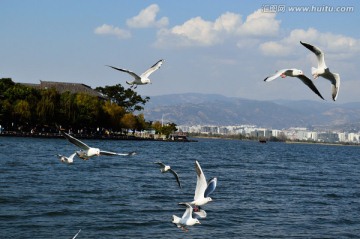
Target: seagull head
(93, 151)
(197, 221)
(208, 199)
(98, 152)
(297, 72)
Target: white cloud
(228, 22)
(330, 43)
(199, 32)
(260, 23)
(111, 30)
(147, 18)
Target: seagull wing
(334, 78)
(156, 66)
(108, 153)
(210, 187)
(176, 176)
(201, 214)
(310, 84)
(188, 212)
(318, 52)
(161, 164)
(75, 141)
(71, 158)
(276, 75)
(76, 234)
(133, 74)
(201, 184)
(336, 86)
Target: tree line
(28, 109)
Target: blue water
(272, 190)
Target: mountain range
(213, 109)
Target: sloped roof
(62, 87)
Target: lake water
(272, 190)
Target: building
(62, 87)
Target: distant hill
(195, 108)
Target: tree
(88, 110)
(169, 129)
(22, 105)
(67, 108)
(141, 123)
(126, 98)
(48, 105)
(22, 111)
(5, 83)
(157, 126)
(128, 121)
(113, 115)
(164, 129)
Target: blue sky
(223, 47)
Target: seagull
(143, 78)
(65, 159)
(323, 70)
(76, 234)
(203, 189)
(186, 219)
(295, 73)
(87, 151)
(166, 168)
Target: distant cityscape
(293, 133)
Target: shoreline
(321, 143)
(90, 136)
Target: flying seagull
(203, 189)
(143, 78)
(186, 219)
(65, 159)
(166, 168)
(87, 151)
(323, 70)
(294, 73)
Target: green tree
(48, 105)
(169, 129)
(5, 83)
(157, 126)
(67, 108)
(22, 111)
(128, 121)
(113, 115)
(126, 98)
(88, 110)
(141, 123)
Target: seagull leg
(184, 229)
(196, 209)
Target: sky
(225, 47)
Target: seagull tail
(184, 203)
(175, 219)
(129, 83)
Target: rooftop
(62, 87)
